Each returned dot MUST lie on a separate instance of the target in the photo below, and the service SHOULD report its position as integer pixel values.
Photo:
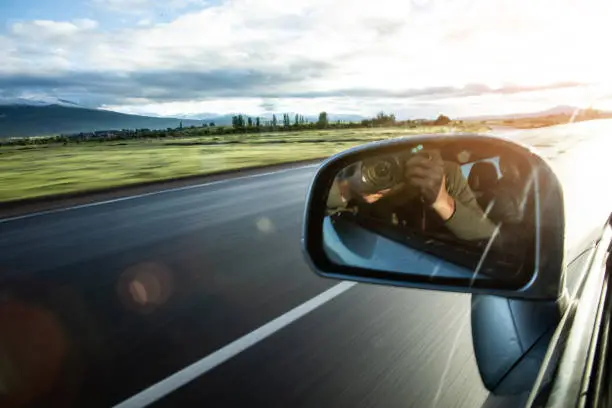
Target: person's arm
(460, 211)
(446, 191)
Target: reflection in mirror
(440, 211)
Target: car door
(575, 370)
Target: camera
(379, 173)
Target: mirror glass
(441, 210)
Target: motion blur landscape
(149, 91)
(92, 160)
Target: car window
(466, 168)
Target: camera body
(380, 173)
(385, 172)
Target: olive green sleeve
(468, 221)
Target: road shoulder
(30, 205)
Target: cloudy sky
(411, 57)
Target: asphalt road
(209, 264)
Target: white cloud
(383, 45)
(49, 28)
(122, 5)
(86, 24)
(145, 6)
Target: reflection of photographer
(418, 190)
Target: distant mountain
(219, 120)
(346, 117)
(557, 110)
(195, 116)
(35, 118)
(43, 101)
(21, 117)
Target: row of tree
(243, 121)
(384, 120)
(240, 124)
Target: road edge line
(150, 193)
(201, 367)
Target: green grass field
(39, 170)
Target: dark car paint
(573, 377)
(537, 367)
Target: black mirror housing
(403, 257)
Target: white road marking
(200, 367)
(152, 193)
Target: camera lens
(379, 174)
(382, 169)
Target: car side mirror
(439, 212)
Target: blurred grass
(39, 170)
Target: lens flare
(145, 287)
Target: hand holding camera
(425, 171)
(421, 171)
